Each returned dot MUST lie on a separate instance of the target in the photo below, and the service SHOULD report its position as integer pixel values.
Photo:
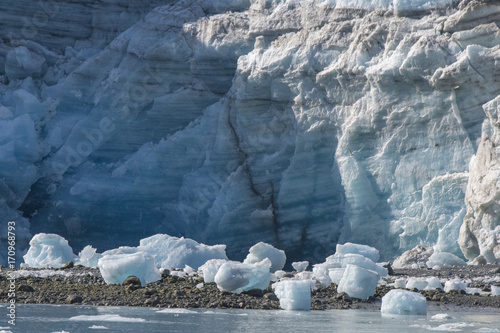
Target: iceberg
(88, 257)
(210, 269)
(262, 250)
(300, 266)
(48, 250)
(403, 302)
(294, 294)
(237, 277)
(358, 282)
(115, 268)
(174, 252)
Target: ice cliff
(302, 124)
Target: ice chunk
(321, 272)
(361, 261)
(174, 252)
(88, 257)
(433, 283)
(444, 259)
(300, 266)
(455, 284)
(364, 250)
(418, 283)
(48, 250)
(358, 282)
(116, 268)
(294, 294)
(237, 277)
(336, 274)
(262, 250)
(400, 283)
(403, 302)
(21, 63)
(495, 291)
(210, 268)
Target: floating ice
(237, 277)
(444, 259)
(455, 284)
(294, 294)
(300, 266)
(107, 317)
(88, 257)
(98, 327)
(174, 252)
(403, 302)
(364, 250)
(441, 316)
(358, 282)
(116, 268)
(262, 250)
(210, 268)
(48, 250)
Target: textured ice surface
(495, 291)
(403, 302)
(444, 259)
(48, 250)
(210, 268)
(300, 124)
(88, 257)
(261, 251)
(237, 277)
(358, 282)
(174, 252)
(455, 284)
(363, 250)
(294, 294)
(429, 283)
(300, 266)
(116, 268)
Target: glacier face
(298, 123)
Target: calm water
(72, 319)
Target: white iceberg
(455, 284)
(364, 250)
(237, 277)
(300, 266)
(174, 252)
(403, 302)
(262, 250)
(210, 268)
(48, 250)
(358, 282)
(444, 259)
(294, 294)
(88, 257)
(116, 268)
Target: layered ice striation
(301, 124)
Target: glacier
(302, 124)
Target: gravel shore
(85, 286)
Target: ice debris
(358, 282)
(262, 250)
(174, 252)
(294, 294)
(403, 302)
(237, 277)
(88, 256)
(115, 268)
(48, 250)
(300, 266)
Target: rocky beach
(85, 286)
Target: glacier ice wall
(298, 123)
